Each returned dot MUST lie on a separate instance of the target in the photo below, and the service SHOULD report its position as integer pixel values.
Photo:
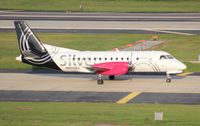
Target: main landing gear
(100, 80)
(168, 80)
(111, 77)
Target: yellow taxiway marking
(128, 97)
(184, 74)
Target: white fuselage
(142, 61)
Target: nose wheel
(100, 80)
(168, 80)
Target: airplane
(103, 63)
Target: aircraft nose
(182, 66)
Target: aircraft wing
(111, 68)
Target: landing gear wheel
(100, 82)
(168, 80)
(111, 77)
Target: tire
(168, 80)
(100, 82)
(111, 77)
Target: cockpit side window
(163, 57)
(170, 57)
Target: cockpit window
(166, 57)
(163, 57)
(170, 57)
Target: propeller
(130, 65)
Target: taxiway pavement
(173, 23)
(83, 88)
(77, 16)
(87, 82)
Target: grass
(104, 5)
(185, 48)
(91, 114)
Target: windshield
(166, 57)
(163, 57)
(170, 57)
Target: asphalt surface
(167, 98)
(105, 25)
(83, 88)
(95, 31)
(138, 23)
(21, 15)
(102, 31)
(144, 45)
(67, 87)
(61, 96)
(110, 97)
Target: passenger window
(111, 58)
(122, 58)
(99, 58)
(83, 58)
(105, 58)
(94, 58)
(127, 58)
(116, 58)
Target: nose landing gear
(168, 80)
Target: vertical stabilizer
(32, 50)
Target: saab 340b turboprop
(109, 63)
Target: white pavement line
(171, 32)
(179, 33)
